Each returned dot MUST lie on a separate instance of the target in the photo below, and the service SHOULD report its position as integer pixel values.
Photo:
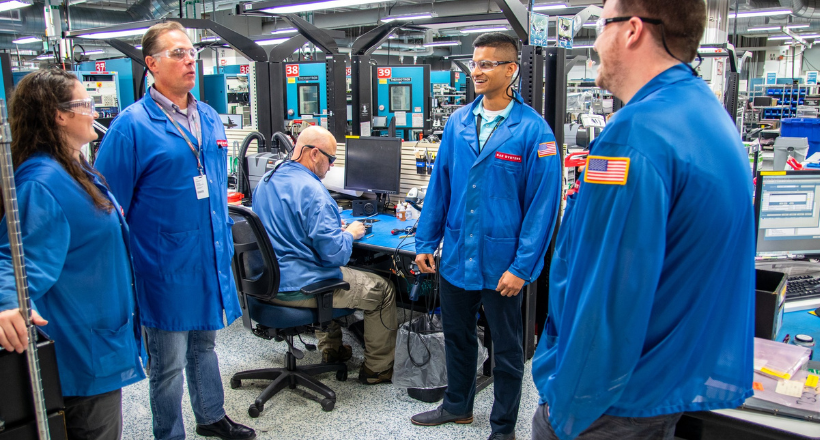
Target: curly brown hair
(33, 107)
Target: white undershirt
(492, 114)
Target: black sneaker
(332, 356)
(368, 377)
(500, 436)
(440, 416)
(226, 429)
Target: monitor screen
(373, 164)
(308, 99)
(788, 213)
(380, 121)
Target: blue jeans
(458, 319)
(170, 353)
(611, 427)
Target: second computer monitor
(787, 206)
(373, 164)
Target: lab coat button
(472, 211)
(473, 186)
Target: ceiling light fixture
(475, 30)
(14, 4)
(550, 6)
(271, 41)
(26, 40)
(760, 13)
(315, 6)
(284, 31)
(209, 39)
(442, 43)
(94, 52)
(44, 56)
(777, 28)
(780, 37)
(390, 18)
(114, 34)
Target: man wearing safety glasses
(164, 158)
(652, 281)
(493, 201)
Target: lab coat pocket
(503, 181)
(113, 351)
(180, 252)
(450, 249)
(499, 254)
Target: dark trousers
(458, 315)
(96, 417)
(611, 427)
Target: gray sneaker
(440, 416)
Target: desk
(750, 425)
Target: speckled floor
(362, 412)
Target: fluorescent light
(797, 26)
(405, 17)
(592, 25)
(45, 56)
(548, 7)
(306, 7)
(583, 46)
(808, 35)
(13, 4)
(777, 28)
(761, 13)
(271, 41)
(780, 37)
(139, 47)
(207, 39)
(442, 43)
(114, 34)
(94, 52)
(26, 40)
(284, 31)
(393, 36)
(484, 29)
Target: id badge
(201, 186)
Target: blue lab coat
(652, 281)
(182, 246)
(80, 278)
(304, 226)
(495, 210)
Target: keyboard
(802, 287)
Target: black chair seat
(276, 316)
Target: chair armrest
(323, 291)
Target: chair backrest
(254, 262)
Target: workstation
(385, 81)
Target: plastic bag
(424, 365)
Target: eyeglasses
(486, 65)
(79, 106)
(178, 54)
(330, 158)
(602, 22)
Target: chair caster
(328, 404)
(255, 409)
(341, 375)
(235, 383)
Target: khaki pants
(375, 296)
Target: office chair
(257, 280)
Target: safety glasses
(330, 158)
(486, 65)
(79, 106)
(602, 22)
(178, 54)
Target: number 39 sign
(384, 72)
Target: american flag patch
(607, 170)
(546, 149)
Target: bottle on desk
(401, 212)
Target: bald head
(320, 144)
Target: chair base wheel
(235, 383)
(327, 404)
(341, 375)
(254, 410)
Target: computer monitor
(373, 164)
(379, 121)
(787, 213)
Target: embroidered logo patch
(222, 143)
(546, 149)
(508, 157)
(607, 170)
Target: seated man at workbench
(305, 229)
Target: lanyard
(478, 131)
(184, 136)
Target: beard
(610, 74)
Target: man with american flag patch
(652, 280)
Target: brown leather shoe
(368, 377)
(332, 356)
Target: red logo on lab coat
(222, 143)
(508, 157)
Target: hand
(13, 334)
(509, 284)
(356, 229)
(426, 263)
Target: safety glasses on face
(486, 65)
(177, 54)
(79, 106)
(330, 158)
(602, 22)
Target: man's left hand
(509, 284)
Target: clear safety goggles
(486, 65)
(177, 54)
(79, 106)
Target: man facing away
(164, 158)
(650, 314)
(305, 229)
